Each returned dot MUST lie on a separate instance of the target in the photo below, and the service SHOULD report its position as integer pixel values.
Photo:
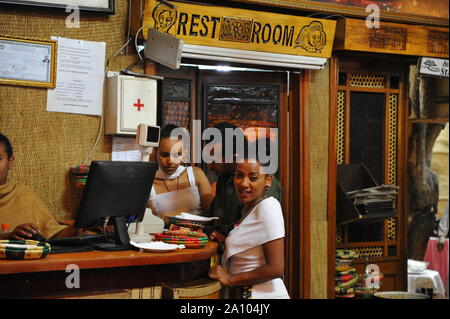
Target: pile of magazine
(374, 200)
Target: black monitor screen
(117, 190)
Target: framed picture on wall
(28, 62)
(433, 12)
(252, 107)
(106, 6)
(246, 106)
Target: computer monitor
(117, 190)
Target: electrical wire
(313, 14)
(102, 119)
(334, 15)
(135, 43)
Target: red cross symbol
(138, 104)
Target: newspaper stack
(375, 200)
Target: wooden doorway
(190, 85)
(264, 94)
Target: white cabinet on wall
(131, 101)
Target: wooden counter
(102, 271)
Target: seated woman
(253, 261)
(21, 208)
(177, 188)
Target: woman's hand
(219, 273)
(24, 231)
(218, 237)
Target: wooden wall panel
(395, 38)
(318, 100)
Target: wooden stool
(200, 289)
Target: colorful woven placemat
(23, 249)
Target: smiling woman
(253, 261)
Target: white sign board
(79, 79)
(433, 66)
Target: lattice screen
(340, 145)
(369, 252)
(392, 157)
(367, 80)
(340, 134)
(370, 81)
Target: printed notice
(86, 3)
(125, 149)
(79, 78)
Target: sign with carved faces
(241, 29)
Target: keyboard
(78, 244)
(69, 249)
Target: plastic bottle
(4, 228)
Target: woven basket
(23, 249)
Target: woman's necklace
(178, 184)
(246, 212)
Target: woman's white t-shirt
(244, 246)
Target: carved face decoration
(164, 18)
(315, 37)
(311, 38)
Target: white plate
(156, 246)
(400, 295)
(195, 217)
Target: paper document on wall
(86, 3)
(79, 77)
(125, 149)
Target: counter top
(104, 259)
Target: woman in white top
(253, 261)
(177, 188)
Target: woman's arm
(69, 231)
(273, 268)
(204, 188)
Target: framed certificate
(27, 62)
(106, 6)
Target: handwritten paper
(79, 77)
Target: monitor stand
(121, 237)
(139, 236)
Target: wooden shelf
(350, 245)
(441, 99)
(440, 120)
